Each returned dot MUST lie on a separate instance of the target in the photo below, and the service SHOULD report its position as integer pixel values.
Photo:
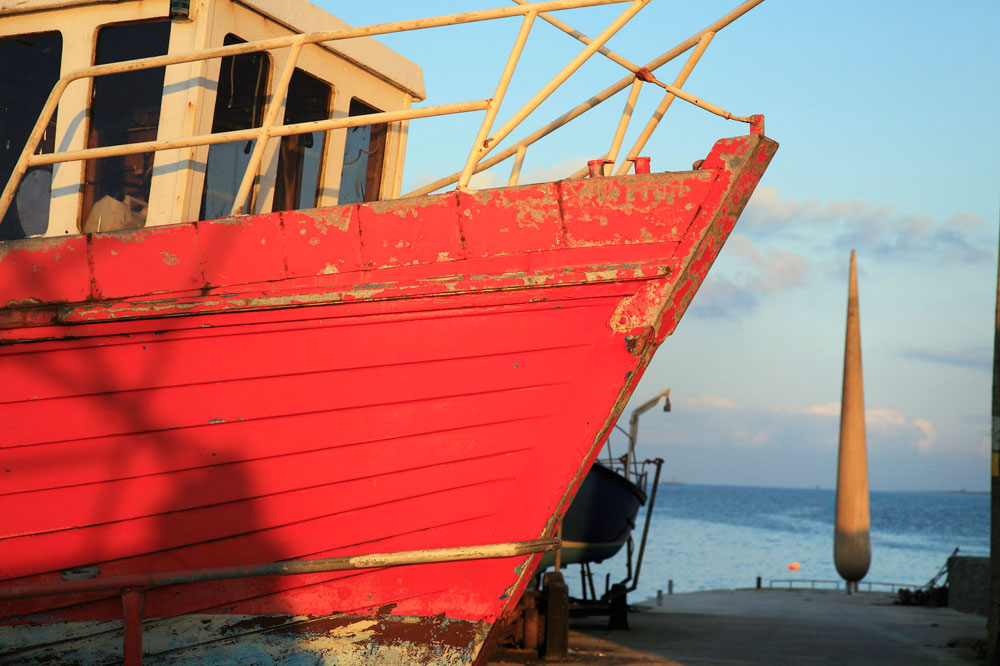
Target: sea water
(724, 537)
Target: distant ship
(258, 407)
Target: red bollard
(595, 168)
(641, 164)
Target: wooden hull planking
(381, 377)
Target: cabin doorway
(364, 154)
(23, 91)
(300, 160)
(239, 105)
(125, 109)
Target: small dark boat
(602, 516)
(598, 523)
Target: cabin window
(239, 104)
(364, 153)
(301, 156)
(125, 109)
(23, 91)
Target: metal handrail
(285, 568)
(893, 587)
(484, 142)
(519, 147)
(792, 582)
(131, 587)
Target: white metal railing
(484, 142)
(637, 76)
(830, 583)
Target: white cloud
(744, 274)
(829, 409)
(930, 435)
(810, 426)
(966, 220)
(771, 271)
(969, 357)
(711, 439)
(881, 417)
(485, 180)
(879, 230)
(544, 174)
(709, 401)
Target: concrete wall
(969, 584)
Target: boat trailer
(541, 620)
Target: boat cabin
(43, 40)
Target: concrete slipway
(774, 627)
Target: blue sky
(887, 118)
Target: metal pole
(645, 527)
(515, 171)
(498, 95)
(264, 133)
(633, 427)
(623, 122)
(592, 101)
(576, 34)
(249, 134)
(993, 625)
(668, 99)
(558, 564)
(563, 74)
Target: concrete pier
(774, 628)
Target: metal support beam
(993, 624)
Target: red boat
(342, 434)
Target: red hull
(386, 377)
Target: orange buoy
(794, 566)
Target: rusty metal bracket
(644, 74)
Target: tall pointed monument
(852, 551)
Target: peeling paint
(630, 254)
(23, 302)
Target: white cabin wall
(178, 174)
(398, 135)
(72, 126)
(78, 26)
(348, 80)
(190, 92)
(369, 54)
